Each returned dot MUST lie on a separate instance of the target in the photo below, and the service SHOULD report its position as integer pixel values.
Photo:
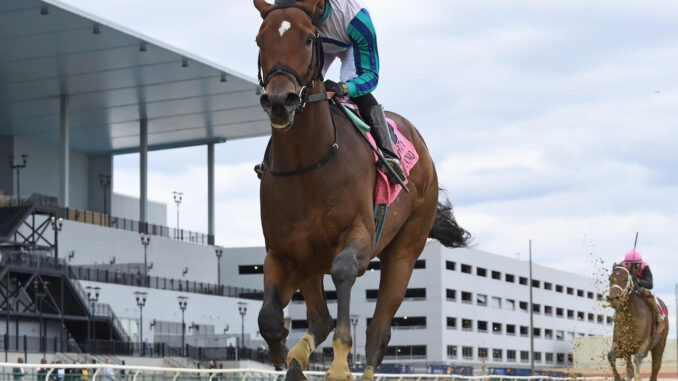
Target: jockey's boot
(383, 136)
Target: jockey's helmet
(633, 257)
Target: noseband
(625, 291)
(312, 74)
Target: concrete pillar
(65, 153)
(143, 170)
(210, 193)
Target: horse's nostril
(265, 102)
(292, 101)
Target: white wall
(96, 244)
(128, 207)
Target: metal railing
(94, 372)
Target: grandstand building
(463, 307)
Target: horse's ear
(262, 6)
(311, 4)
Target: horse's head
(620, 284)
(290, 57)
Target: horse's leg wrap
(302, 351)
(368, 373)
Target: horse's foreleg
(319, 326)
(612, 358)
(637, 361)
(344, 272)
(276, 295)
(657, 353)
(630, 372)
(395, 275)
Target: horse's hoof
(294, 372)
(329, 376)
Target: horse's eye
(309, 41)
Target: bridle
(625, 291)
(315, 67)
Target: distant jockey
(642, 280)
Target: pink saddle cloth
(384, 191)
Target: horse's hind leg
(657, 353)
(277, 294)
(319, 326)
(344, 272)
(612, 358)
(629, 368)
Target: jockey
(348, 34)
(642, 280)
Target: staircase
(11, 218)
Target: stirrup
(259, 170)
(397, 167)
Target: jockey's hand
(339, 89)
(635, 282)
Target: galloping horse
(633, 328)
(317, 201)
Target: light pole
(92, 297)
(145, 240)
(219, 251)
(183, 301)
(141, 302)
(57, 225)
(242, 308)
(531, 317)
(13, 164)
(354, 323)
(178, 196)
(676, 326)
(105, 181)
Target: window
(299, 324)
(580, 315)
(450, 266)
(482, 326)
(549, 357)
(548, 286)
(548, 334)
(536, 283)
(559, 288)
(609, 320)
(451, 295)
(465, 268)
(537, 356)
(570, 291)
(420, 264)
(522, 280)
(570, 314)
(600, 319)
(599, 297)
(511, 329)
(591, 317)
(560, 335)
(415, 294)
(250, 269)
(560, 358)
(523, 306)
(467, 324)
(524, 356)
(496, 302)
(406, 351)
(559, 312)
(497, 355)
(481, 300)
(589, 295)
(409, 322)
(580, 293)
(524, 331)
(570, 358)
(509, 278)
(328, 352)
(482, 353)
(510, 304)
(548, 310)
(481, 272)
(467, 353)
(451, 351)
(510, 355)
(496, 275)
(330, 295)
(371, 294)
(496, 328)
(466, 297)
(451, 323)
(537, 332)
(374, 265)
(536, 308)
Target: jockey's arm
(646, 281)
(361, 32)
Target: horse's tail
(445, 228)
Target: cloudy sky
(554, 120)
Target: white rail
(135, 371)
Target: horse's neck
(306, 141)
(627, 312)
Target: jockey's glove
(338, 88)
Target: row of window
(467, 353)
(510, 304)
(374, 265)
(482, 326)
(395, 352)
(510, 278)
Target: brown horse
(634, 327)
(317, 202)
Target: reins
(625, 290)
